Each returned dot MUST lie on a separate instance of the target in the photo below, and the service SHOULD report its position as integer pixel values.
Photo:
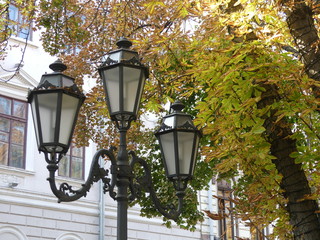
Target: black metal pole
(124, 172)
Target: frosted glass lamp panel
(67, 82)
(128, 55)
(131, 77)
(34, 116)
(182, 120)
(52, 79)
(167, 144)
(47, 111)
(68, 114)
(185, 142)
(195, 152)
(169, 121)
(140, 90)
(112, 85)
(115, 56)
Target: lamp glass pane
(185, 143)
(183, 120)
(128, 55)
(123, 55)
(195, 152)
(131, 78)
(34, 115)
(115, 56)
(169, 121)
(167, 143)
(68, 117)
(54, 79)
(67, 82)
(47, 110)
(142, 81)
(111, 83)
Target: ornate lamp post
(55, 104)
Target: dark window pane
(64, 166)
(19, 24)
(4, 124)
(226, 224)
(72, 164)
(4, 137)
(4, 153)
(77, 152)
(76, 168)
(12, 132)
(24, 33)
(19, 109)
(5, 106)
(17, 135)
(16, 156)
(13, 13)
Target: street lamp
(55, 104)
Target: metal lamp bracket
(66, 193)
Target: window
(227, 222)
(20, 27)
(72, 164)
(13, 123)
(259, 233)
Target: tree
(237, 65)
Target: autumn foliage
(241, 68)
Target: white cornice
(20, 78)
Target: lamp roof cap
(124, 43)
(58, 66)
(177, 106)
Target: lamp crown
(177, 106)
(124, 43)
(58, 66)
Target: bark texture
(303, 213)
(302, 28)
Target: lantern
(179, 141)
(123, 78)
(55, 105)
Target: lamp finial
(58, 66)
(124, 43)
(177, 106)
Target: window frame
(224, 193)
(16, 25)
(12, 119)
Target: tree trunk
(303, 30)
(302, 213)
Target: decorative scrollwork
(66, 189)
(137, 185)
(131, 61)
(187, 125)
(66, 193)
(145, 182)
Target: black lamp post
(55, 104)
